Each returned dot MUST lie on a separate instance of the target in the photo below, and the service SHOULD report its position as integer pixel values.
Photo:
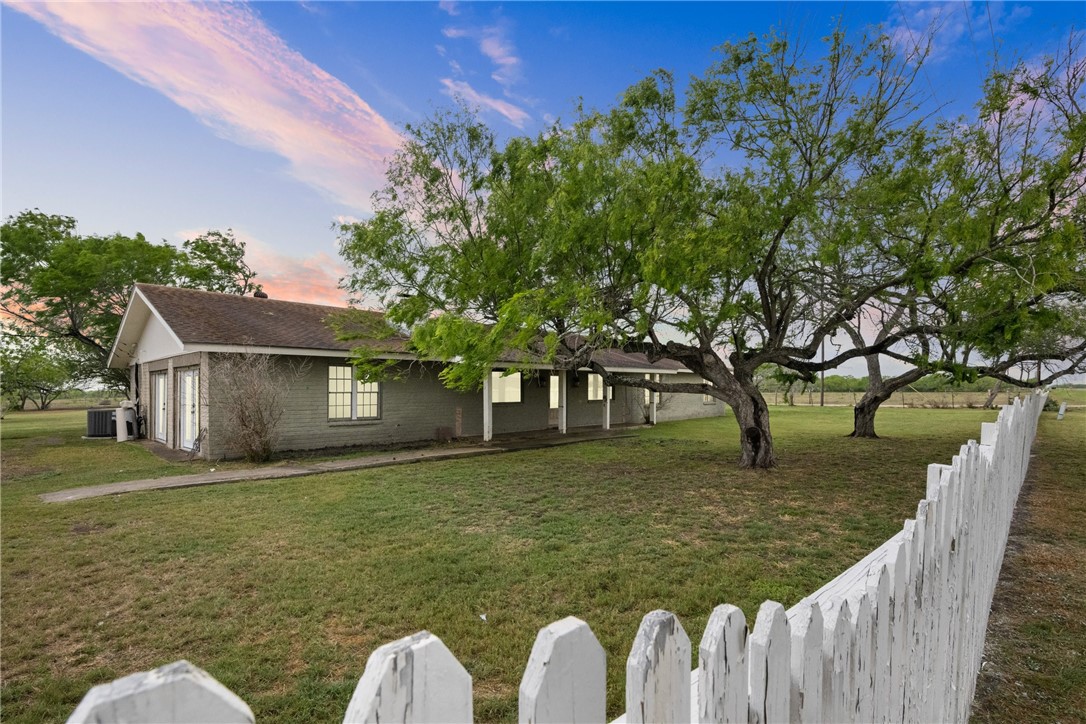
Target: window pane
(595, 387)
(339, 392)
(554, 392)
(369, 395)
(505, 389)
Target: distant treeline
(846, 383)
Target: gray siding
(418, 407)
(686, 406)
(415, 408)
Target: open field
(910, 398)
(282, 589)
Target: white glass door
(188, 407)
(158, 406)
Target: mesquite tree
(989, 223)
(625, 228)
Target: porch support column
(488, 409)
(606, 407)
(562, 399)
(653, 396)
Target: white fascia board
(137, 295)
(642, 370)
(305, 352)
(120, 331)
(284, 351)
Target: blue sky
(274, 119)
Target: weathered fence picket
(566, 676)
(722, 668)
(415, 679)
(176, 693)
(770, 661)
(898, 637)
(878, 589)
(805, 695)
(658, 671)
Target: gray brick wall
(687, 406)
(417, 406)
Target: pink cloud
(450, 6)
(313, 279)
(222, 64)
(460, 89)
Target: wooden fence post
(879, 587)
(863, 657)
(837, 703)
(566, 676)
(415, 679)
(806, 629)
(722, 668)
(174, 693)
(769, 660)
(658, 671)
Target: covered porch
(496, 389)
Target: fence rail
(896, 638)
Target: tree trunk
(863, 414)
(879, 390)
(755, 438)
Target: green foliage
(215, 261)
(626, 228)
(32, 368)
(75, 288)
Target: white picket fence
(897, 637)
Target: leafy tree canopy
(737, 230)
(66, 286)
(32, 368)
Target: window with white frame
(648, 393)
(596, 387)
(708, 400)
(350, 399)
(505, 388)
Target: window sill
(354, 423)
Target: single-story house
(173, 339)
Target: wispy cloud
(450, 6)
(222, 64)
(954, 27)
(461, 89)
(495, 44)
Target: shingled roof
(205, 320)
(199, 317)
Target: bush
(249, 391)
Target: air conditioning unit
(102, 423)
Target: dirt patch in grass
(1035, 654)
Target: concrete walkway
(295, 470)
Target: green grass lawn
(282, 589)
